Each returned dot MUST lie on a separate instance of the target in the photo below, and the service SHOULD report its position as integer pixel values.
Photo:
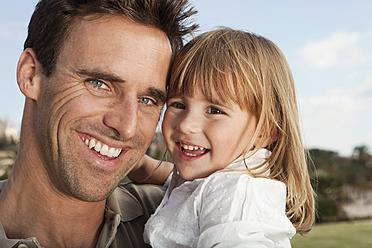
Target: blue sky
(328, 45)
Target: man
(94, 75)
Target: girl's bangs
(212, 68)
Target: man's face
(99, 109)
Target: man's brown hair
(53, 20)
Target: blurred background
(328, 46)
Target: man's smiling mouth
(102, 148)
(193, 151)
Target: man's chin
(91, 193)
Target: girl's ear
(268, 140)
(29, 74)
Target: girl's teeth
(191, 155)
(103, 149)
(191, 148)
(193, 151)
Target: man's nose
(123, 118)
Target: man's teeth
(103, 149)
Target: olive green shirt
(126, 212)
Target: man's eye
(214, 110)
(98, 88)
(99, 84)
(147, 101)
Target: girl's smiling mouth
(192, 151)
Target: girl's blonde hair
(252, 72)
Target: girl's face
(202, 136)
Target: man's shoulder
(148, 195)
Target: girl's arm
(149, 171)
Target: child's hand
(149, 170)
(139, 165)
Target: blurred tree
(362, 155)
(335, 174)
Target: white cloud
(338, 50)
(336, 108)
(339, 119)
(365, 90)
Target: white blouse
(226, 209)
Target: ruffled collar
(255, 161)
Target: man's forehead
(117, 46)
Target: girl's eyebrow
(216, 101)
(219, 102)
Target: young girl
(232, 129)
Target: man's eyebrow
(96, 74)
(159, 95)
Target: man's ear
(29, 74)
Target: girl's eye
(177, 105)
(215, 111)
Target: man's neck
(31, 209)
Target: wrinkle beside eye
(64, 97)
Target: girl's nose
(189, 123)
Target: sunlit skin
(217, 132)
(109, 84)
